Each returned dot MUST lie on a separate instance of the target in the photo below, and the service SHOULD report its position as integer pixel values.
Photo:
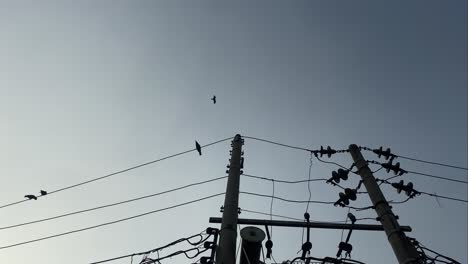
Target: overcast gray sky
(92, 87)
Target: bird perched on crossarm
(198, 147)
(213, 99)
(30, 197)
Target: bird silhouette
(30, 196)
(43, 192)
(213, 99)
(198, 147)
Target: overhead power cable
(301, 220)
(110, 223)
(116, 173)
(112, 204)
(387, 154)
(277, 143)
(286, 200)
(433, 163)
(399, 172)
(437, 177)
(425, 193)
(281, 181)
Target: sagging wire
(389, 166)
(411, 192)
(388, 154)
(308, 188)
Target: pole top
(353, 146)
(237, 137)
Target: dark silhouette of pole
(404, 251)
(226, 251)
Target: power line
(445, 197)
(282, 181)
(437, 177)
(388, 154)
(110, 223)
(116, 173)
(297, 219)
(400, 171)
(285, 200)
(426, 193)
(277, 143)
(433, 163)
(331, 162)
(113, 204)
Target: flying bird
(198, 147)
(43, 192)
(213, 99)
(30, 196)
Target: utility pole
(226, 251)
(404, 251)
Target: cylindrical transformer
(251, 248)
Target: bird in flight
(198, 147)
(43, 192)
(30, 196)
(213, 99)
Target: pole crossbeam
(319, 225)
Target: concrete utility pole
(226, 251)
(404, 251)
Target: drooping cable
(112, 204)
(110, 223)
(115, 173)
(277, 143)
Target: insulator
(335, 177)
(399, 186)
(409, 189)
(380, 152)
(396, 168)
(344, 198)
(242, 163)
(352, 218)
(306, 247)
(227, 166)
(387, 166)
(343, 174)
(227, 171)
(345, 247)
(351, 194)
(211, 230)
(208, 244)
(206, 260)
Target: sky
(92, 87)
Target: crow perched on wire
(213, 99)
(43, 192)
(198, 147)
(30, 196)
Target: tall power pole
(226, 251)
(404, 251)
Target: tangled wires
(424, 258)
